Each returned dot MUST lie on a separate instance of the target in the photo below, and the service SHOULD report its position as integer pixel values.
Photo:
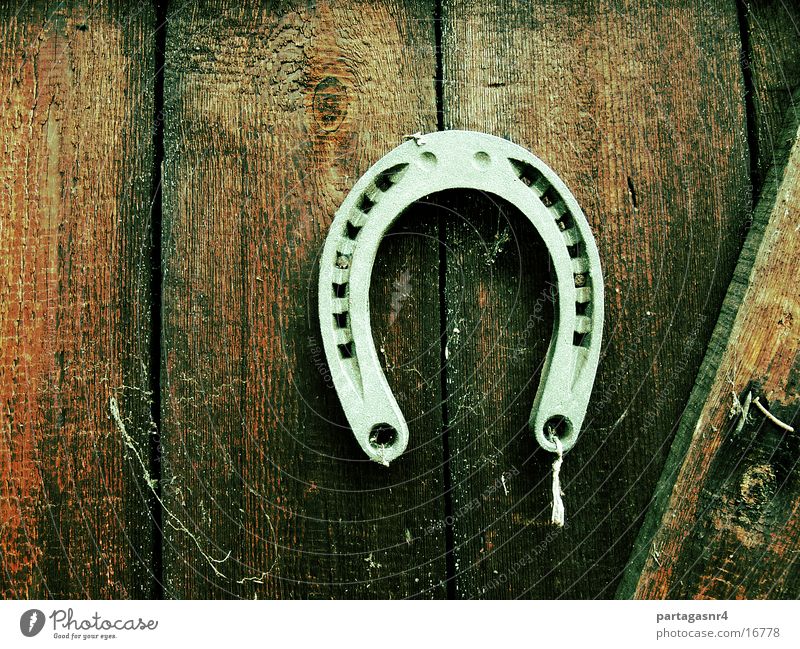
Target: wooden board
(770, 57)
(647, 127)
(75, 166)
(773, 64)
(272, 113)
(726, 517)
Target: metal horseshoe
(432, 163)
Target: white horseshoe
(417, 168)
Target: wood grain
(727, 515)
(773, 37)
(638, 106)
(75, 166)
(272, 113)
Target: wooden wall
(169, 172)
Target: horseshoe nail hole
(581, 308)
(386, 179)
(352, 231)
(382, 436)
(550, 197)
(427, 159)
(340, 320)
(339, 290)
(580, 340)
(557, 426)
(527, 173)
(574, 251)
(366, 204)
(347, 350)
(482, 159)
(565, 222)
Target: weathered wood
(75, 166)
(773, 62)
(272, 113)
(726, 516)
(647, 127)
(770, 58)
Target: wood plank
(726, 520)
(647, 127)
(773, 62)
(75, 175)
(272, 113)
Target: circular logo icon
(31, 622)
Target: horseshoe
(432, 163)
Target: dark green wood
(755, 446)
(773, 64)
(647, 128)
(772, 31)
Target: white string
(558, 504)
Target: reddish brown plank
(272, 113)
(75, 165)
(638, 106)
(729, 527)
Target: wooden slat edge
(711, 363)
